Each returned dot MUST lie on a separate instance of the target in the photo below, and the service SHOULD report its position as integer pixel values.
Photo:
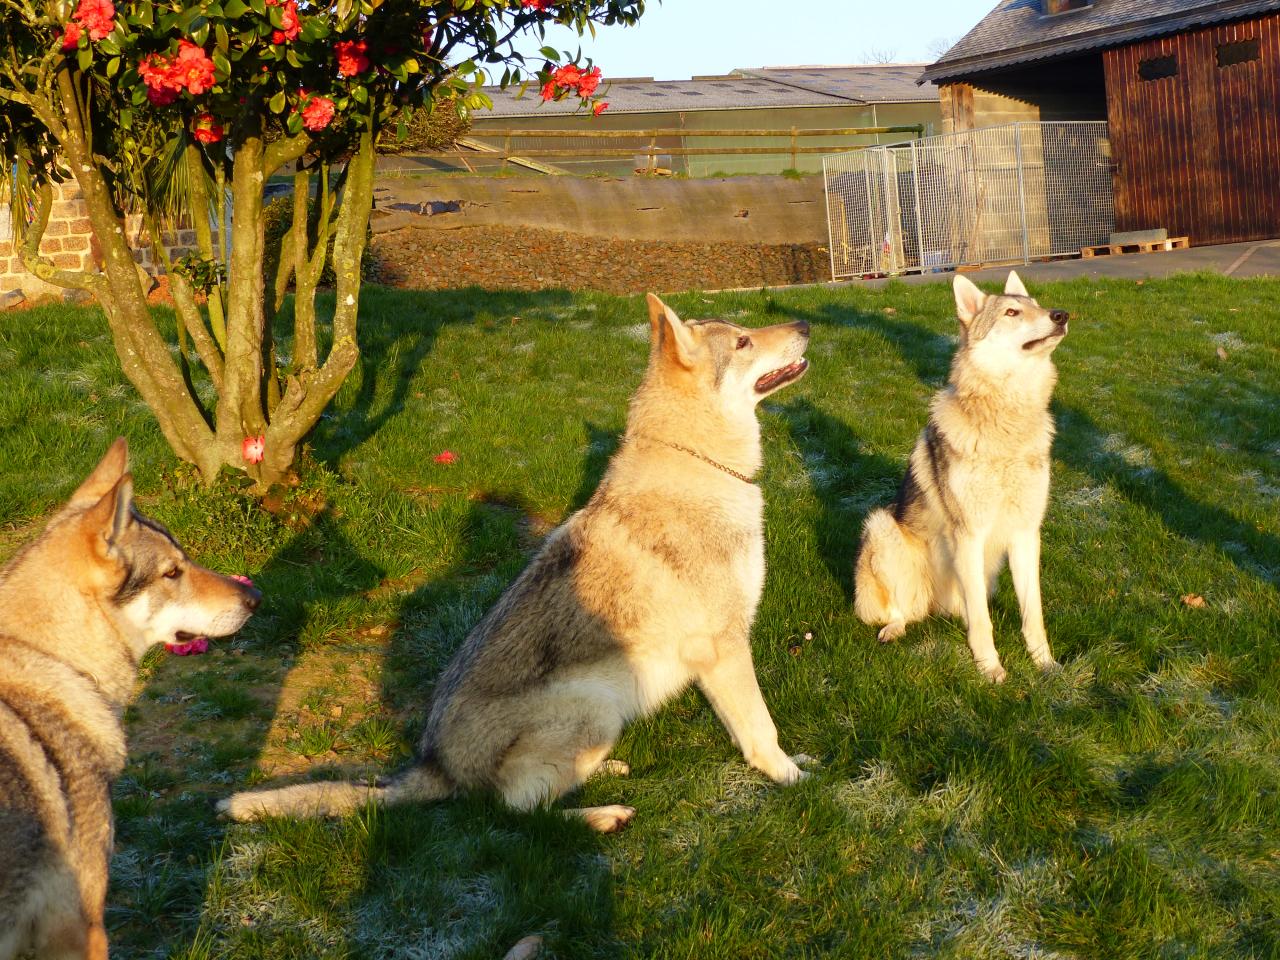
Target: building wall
(1072, 89)
(1198, 152)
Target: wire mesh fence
(1021, 191)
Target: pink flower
(599, 107)
(317, 113)
(96, 16)
(446, 457)
(289, 25)
(588, 81)
(253, 449)
(71, 36)
(351, 57)
(206, 129)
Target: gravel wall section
(525, 259)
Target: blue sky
(679, 38)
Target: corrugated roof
(1016, 31)
(868, 83)
(743, 90)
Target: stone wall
(69, 244)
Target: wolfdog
(78, 607)
(977, 484)
(651, 585)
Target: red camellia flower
(71, 36)
(206, 129)
(156, 72)
(193, 69)
(600, 107)
(351, 57)
(567, 76)
(537, 4)
(317, 113)
(446, 457)
(549, 90)
(587, 82)
(96, 16)
(253, 449)
(290, 27)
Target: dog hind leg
(892, 585)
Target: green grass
(1126, 807)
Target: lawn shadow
(395, 343)
(846, 481)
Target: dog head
(1001, 333)
(139, 572)
(727, 365)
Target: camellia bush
(179, 113)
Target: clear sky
(676, 39)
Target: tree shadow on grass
(398, 330)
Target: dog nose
(252, 597)
(1059, 317)
(802, 327)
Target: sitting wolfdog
(651, 585)
(977, 483)
(78, 609)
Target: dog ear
(108, 519)
(669, 335)
(969, 299)
(1014, 286)
(104, 476)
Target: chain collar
(694, 453)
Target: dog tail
(891, 577)
(336, 798)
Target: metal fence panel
(1015, 192)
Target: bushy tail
(335, 798)
(891, 580)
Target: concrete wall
(734, 209)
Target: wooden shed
(1191, 90)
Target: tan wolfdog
(977, 484)
(653, 584)
(78, 607)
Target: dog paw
(526, 948)
(607, 819)
(615, 768)
(993, 672)
(891, 631)
(1048, 665)
(804, 760)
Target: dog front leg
(730, 684)
(1024, 567)
(972, 576)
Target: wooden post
(793, 148)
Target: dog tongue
(187, 648)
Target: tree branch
(41, 267)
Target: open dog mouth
(783, 375)
(1041, 341)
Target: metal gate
(1010, 193)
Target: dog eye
(173, 573)
(743, 342)
(1011, 312)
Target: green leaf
(110, 44)
(314, 29)
(84, 58)
(221, 39)
(551, 53)
(277, 103)
(360, 94)
(292, 56)
(113, 66)
(221, 64)
(200, 33)
(234, 9)
(259, 7)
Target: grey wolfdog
(78, 608)
(977, 484)
(653, 584)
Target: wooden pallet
(1148, 246)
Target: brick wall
(69, 244)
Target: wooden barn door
(1195, 132)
